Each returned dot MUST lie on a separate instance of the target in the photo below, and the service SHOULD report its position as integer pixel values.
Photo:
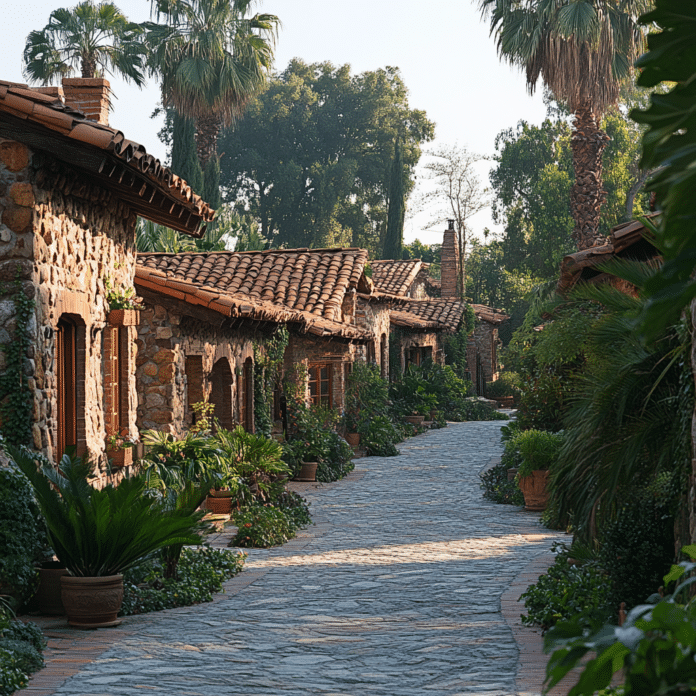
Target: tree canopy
(312, 155)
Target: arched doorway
(221, 392)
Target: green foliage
(567, 591)
(637, 546)
(28, 632)
(184, 156)
(539, 449)
(268, 365)
(394, 238)
(630, 415)
(92, 38)
(101, 532)
(201, 573)
(27, 658)
(668, 148)
(211, 183)
(507, 384)
(294, 506)
(412, 394)
(380, 436)
(23, 541)
(261, 526)
(654, 651)
(498, 488)
(312, 153)
(12, 678)
(16, 397)
(455, 344)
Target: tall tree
(91, 38)
(457, 194)
(311, 157)
(212, 57)
(184, 157)
(394, 239)
(583, 50)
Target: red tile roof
(302, 286)
(489, 314)
(434, 314)
(395, 277)
(104, 155)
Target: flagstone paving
(395, 591)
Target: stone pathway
(395, 591)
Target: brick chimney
(449, 264)
(90, 95)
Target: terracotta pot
(119, 458)
(308, 472)
(48, 599)
(220, 493)
(433, 414)
(92, 602)
(414, 420)
(218, 505)
(353, 439)
(535, 491)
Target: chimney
(90, 95)
(52, 91)
(449, 264)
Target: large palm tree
(212, 58)
(583, 50)
(92, 38)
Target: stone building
(206, 312)
(71, 190)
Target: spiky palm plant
(625, 423)
(101, 532)
(583, 50)
(91, 38)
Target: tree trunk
(207, 129)
(89, 66)
(586, 196)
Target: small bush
(295, 507)
(380, 437)
(539, 449)
(200, 573)
(508, 384)
(497, 488)
(28, 632)
(262, 526)
(28, 658)
(566, 591)
(473, 409)
(12, 677)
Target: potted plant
(124, 305)
(97, 534)
(538, 452)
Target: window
(321, 384)
(66, 363)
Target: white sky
(446, 57)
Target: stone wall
(484, 340)
(374, 317)
(165, 340)
(66, 236)
(409, 341)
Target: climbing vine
(16, 398)
(267, 369)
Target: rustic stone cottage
(206, 312)
(71, 190)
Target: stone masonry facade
(64, 237)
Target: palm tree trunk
(207, 129)
(89, 66)
(586, 196)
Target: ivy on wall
(16, 398)
(267, 368)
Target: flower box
(124, 317)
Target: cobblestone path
(395, 591)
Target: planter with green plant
(98, 534)
(538, 451)
(124, 305)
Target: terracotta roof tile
(395, 277)
(104, 155)
(621, 239)
(298, 286)
(489, 314)
(436, 314)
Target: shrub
(637, 547)
(27, 658)
(12, 678)
(497, 488)
(508, 384)
(380, 437)
(295, 507)
(261, 526)
(473, 409)
(28, 632)
(23, 541)
(200, 573)
(538, 449)
(566, 591)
